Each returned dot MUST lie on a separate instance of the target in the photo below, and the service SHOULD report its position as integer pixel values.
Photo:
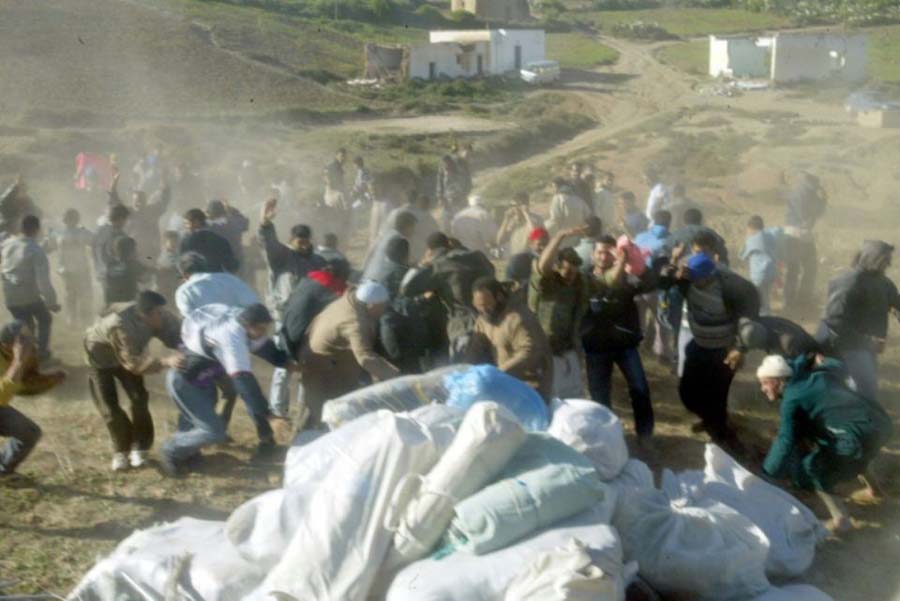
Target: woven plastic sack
(398, 394)
(340, 541)
(487, 383)
(187, 559)
(712, 553)
(591, 429)
(466, 577)
(544, 483)
(792, 529)
(309, 460)
(569, 573)
(487, 439)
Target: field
(216, 84)
(684, 22)
(577, 51)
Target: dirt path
(634, 90)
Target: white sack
(569, 573)
(794, 592)
(792, 529)
(714, 553)
(341, 540)
(405, 393)
(466, 577)
(487, 438)
(262, 528)
(189, 556)
(310, 457)
(591, 429)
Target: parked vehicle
(540, 72)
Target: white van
(540, 72)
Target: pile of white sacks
(437, 505)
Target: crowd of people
(585, 290)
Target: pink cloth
(92, 165)
(635, 257)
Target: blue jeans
(198, 424)
(599, 377)
(22, 436)
(36, 313)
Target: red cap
(538, 233)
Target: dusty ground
(733, 153)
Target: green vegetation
(577, 51)
(690, 57)
(446, 95)
(686, 22)
(884, 54)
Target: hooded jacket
(860, 300)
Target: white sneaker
(137, 458)
(119, 462)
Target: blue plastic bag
(487, 383)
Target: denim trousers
(21, 434)
(198, 424)
(599, 377)
(36, 314)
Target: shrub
(625, 4)
(640, 30)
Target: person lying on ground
(828, 433)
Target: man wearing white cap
(474, 226)
(342, 346)
(828, 433)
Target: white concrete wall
(445, 56)
(797, 57)
(503, 48)
(718, 57)
(737, 57)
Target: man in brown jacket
(116, 347)
(341, 347)
(509, 336)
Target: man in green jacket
(828, 433)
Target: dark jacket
(613, 322)
(232, 227)
(214, 248)
(519, 267)
(122, 281)
(859, 302)
(450, 276)
(13, 207)
(786, 338)
(281, 258)
(805, 206)
(307, 300)
(406, 336)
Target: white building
(790, 56)
(473, 53)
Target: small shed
(790, 56)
